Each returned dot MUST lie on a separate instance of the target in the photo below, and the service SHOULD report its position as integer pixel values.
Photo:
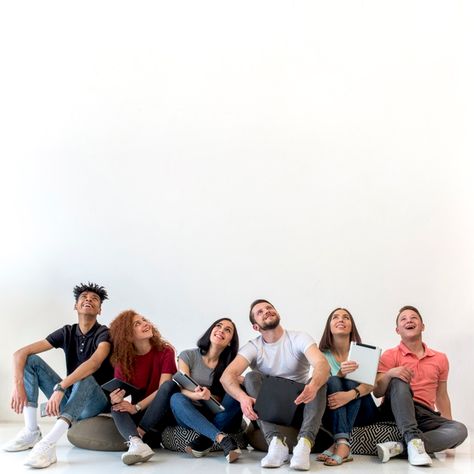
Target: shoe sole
(275, 466)
(136, 458)
(422, 463)
(196, 454)
(22, 448)
(36, 466)
(382, 454)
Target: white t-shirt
(283, 358)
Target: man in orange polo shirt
(413, 379)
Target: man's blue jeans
(200, 420)
(358, 412)
(82, 400)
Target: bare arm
(320, 376)
(18, 400)
(443, 404)
(231, 382)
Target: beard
(271, 324)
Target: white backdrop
(193, 156)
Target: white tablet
(368, 359)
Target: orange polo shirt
(428, 371)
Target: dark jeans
(358, 412)
(311, 416)
(204, 422)
(153, 420)
(415, 420)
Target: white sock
(30, 416)
(59, 428)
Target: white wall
(192, 156)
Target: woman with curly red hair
(144, 359)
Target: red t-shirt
(148, 369)
(428, 371)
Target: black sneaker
(199, 447)
(231, 450)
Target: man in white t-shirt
(281, 353)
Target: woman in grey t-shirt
(217, 347)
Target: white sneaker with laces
(138, 451)
(24, 440)
(388, 450)
(417, 456)
(301, 452)
(42, 455)
(277, 454)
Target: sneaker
(42, 455)
(388, 450)
(231, 450)
(199, 447)
(277, 454)
(24, 440)
(138, 451)
(417, 456)
(300, 460)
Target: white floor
(72, 460)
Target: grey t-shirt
(198, 370)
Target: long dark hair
(327, 341)
(225, 358)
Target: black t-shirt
(79, 347)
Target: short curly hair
(100, 291)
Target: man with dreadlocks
(78, 395)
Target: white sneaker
(24, 440)
(388, 450)
(277, 454)
(417, 456)
(300, 460)
(42, 455)
(138, 451)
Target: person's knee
(177, 399)
(33, 360)
(398, 386)
(169, 387)
(252, 383)
(460, 432)
(334, 384)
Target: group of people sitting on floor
(411, 378)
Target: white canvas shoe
(138, 451)
(417, 456)
(278, 454)
(388, 450)
(24, 440)
(301, 452)
(42, 455)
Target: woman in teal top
(349, 403)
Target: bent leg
(125, 424)
(38, 375)
(342, 419)
(253, 383)
(189, 416)
(230, 419)
(158, 414)
(312, 415)
(400, 400)
(86, 400)
(439, 433)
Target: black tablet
(186, 382)
(114, 384)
